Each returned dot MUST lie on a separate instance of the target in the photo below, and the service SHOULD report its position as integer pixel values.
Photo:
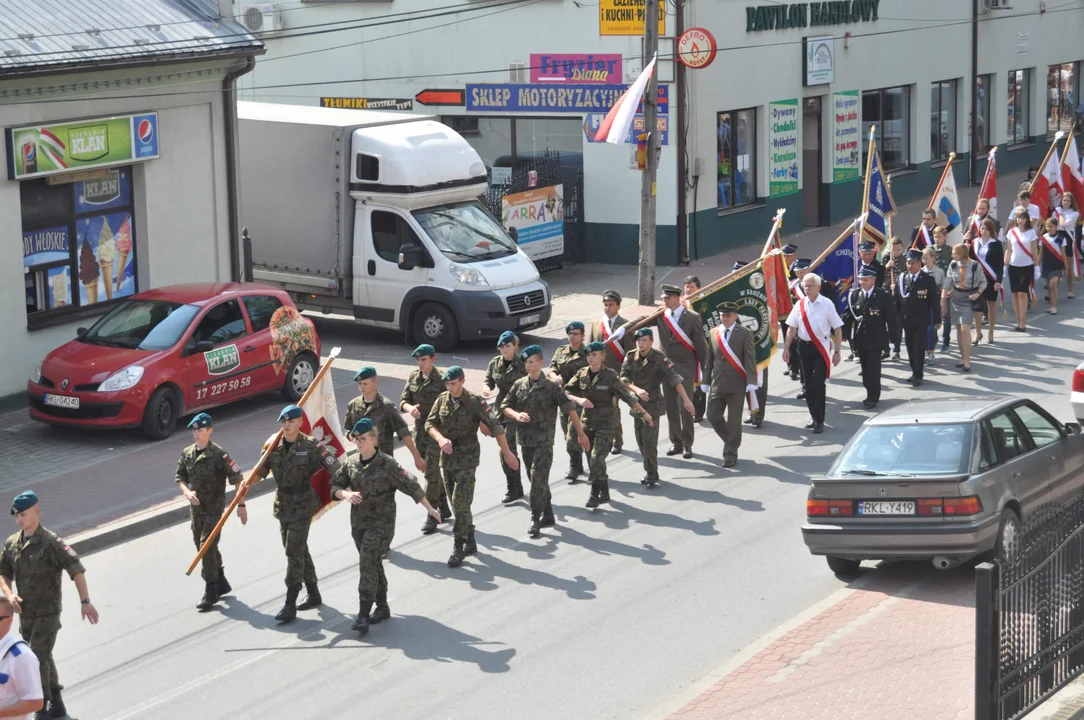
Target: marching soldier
(596, 388)
(453, 425)
(293, 462)
(895, 265)
(504, 370)
(422, 389)
(681, 339)
(700, 398)
(567, 360)
(33, 559)
(368, 482)
(202, 474)
(873, 320)
(610, 332)
(919, 298)
(532, 403)
(645, 369)
(733, 368)
(756, 416)
(386, 418)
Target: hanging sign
(696, 48)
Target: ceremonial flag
(838, 268)
(615, 126)
(1048, 182)
(778, 289)
(988, 189)
(749, 291)
(877, 202)
(947, 205)
(1072, 181)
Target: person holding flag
(1020, 252)
(1046, 188)
(816, 325)
(922, 235)
(873, 318)
(1068, 222)
(732, 364)
(1072, 183)
(989, 253)
(681, 338)
(609, 331)
(799, 269)
(690, 287)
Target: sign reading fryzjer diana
(536, 221)
(592, 122)
(783, 147)
(552, 98)
(65, 147)
(576, 68)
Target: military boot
(592, 502)
(515, 487)
(536, 527)
(445, 511)
(430, 525)
(210, 597)
(224, 587)
(547, 519)
(289, 610)
(575, 467)
(457, 554)
(652, 481)
(361, 625)
(312, 598)
(470, 547)
(382, 612)
(56, 705)
(42, 714)
(604, 491)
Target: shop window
(736, 133)
(1062, 83)
(79, 243)
(1019, 100)
(889, 110)
(983, 87)
(942, 119)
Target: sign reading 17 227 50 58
(626, 17)
(69, 146)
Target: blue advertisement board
(592, 121)
(551, 98)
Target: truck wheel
(843, 567)
(435, 324)
(160, 415)
(299, 377)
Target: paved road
(610, 614)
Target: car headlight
(122, 380)
(467, 276)
(35, 377)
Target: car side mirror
(409, 257)
(80, 332)
(1072, 428)
(200, 347)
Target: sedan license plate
(530, 319)
(62, 401)
(882, 507)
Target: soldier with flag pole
(681, 339)
(733, 368)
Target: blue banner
(592, 122)
(878, 204)
(551, 98)
(839, 270)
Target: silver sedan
(944, 479)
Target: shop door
(811, 163)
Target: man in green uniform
(385, 416)
(368, 482)
(681, 338)
(532, 403)
(644, 371)
(567, 360)
(453, 425)
(202, 473)
(594, 389)
(33, 558)
(610, 331)
(504, 370)
(422, 389)
(293, 462)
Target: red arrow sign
(441, 97)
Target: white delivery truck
(377, 215)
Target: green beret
(290, 412)
(24, 501)
(200, 421)
(453, 373)
(365, 373)
(531, 350)
(612, 295)
(643, 332)
(365, 425)
(595, 347)
(506, 337)
(424, 349)
(574, 325)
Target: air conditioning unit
(262, 19)
(999, 4)
(517, 73)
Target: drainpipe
(229, 108)
(973, 156)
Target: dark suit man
(873, 319)
(682, 339)
(918, 298)
(700, 398)
(731, 348)
(607, 328)
(756, 417)
(922, 235)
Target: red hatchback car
(174, 351)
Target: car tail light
(969, 505)
(1078, 380)
(930, 507)
(829, 508)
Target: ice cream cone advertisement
(107, 254)
(110, 252)
(60, 283)
(123, 241)
(88, 272)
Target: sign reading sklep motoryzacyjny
(551, 98)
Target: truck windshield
(465, 233)
(143, 325)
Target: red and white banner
(1047, 184)
(617, 123)
(1071, 178)
(988, 189)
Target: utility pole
(679, 114)
(646, 280)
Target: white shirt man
(815, 351)
(20, 674)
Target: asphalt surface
(609, 615)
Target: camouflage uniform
(34, 564)
(600, 421)
(458, 421)
(296, 501)
(649, 372)
(540, 399)
(423, 392)
(387, 420)
(372, 521)
(206, 473)
(566, 362)
(500, 375)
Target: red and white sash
(925, 235)
(686, 342)
(1052, 247)
(1070, 229)
(735, 363)
(610, 340)
(797, 289)
(976, 222)
(1020, 243)
(820, 341)
(985, 265)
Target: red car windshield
(142, 325)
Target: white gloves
(620, 333)
(750, 388)
(705, 388)
(1038, 272)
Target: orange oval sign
(696, 48)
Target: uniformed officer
(386, 418)
(895, 264)
(700, 398)
(595, 388)
(532, 403)
(610, 332)
(645, 370)
(368, 482)
(293, 462)
(919, 298)
(202, 473)
(733, 368)
(33, 559)
(567, 360)
(504, 370)
(453, 425)
(681, 339)
(422, 389)
(756, 417)
(873, 319)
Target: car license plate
(62, 401)
(530, 319)
(881, 507)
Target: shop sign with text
(814, 14)
(783, 147)
(366, 103)
(626, 17)
(551, 98)
(66, 147)
(576, 68)
(846, 153)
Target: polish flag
(1071, 179)
(617, 123)
(1046, 183)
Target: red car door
(259, 346)
(223, 372)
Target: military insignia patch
(329, 460)
(67, 548)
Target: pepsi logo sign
(145, 131)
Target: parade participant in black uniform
(867, 258)
(700, 398)
(919, 298)
(873, 316)
(895, 266)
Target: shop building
(116, 116)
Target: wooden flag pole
(1065, 150)
(242, 489)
